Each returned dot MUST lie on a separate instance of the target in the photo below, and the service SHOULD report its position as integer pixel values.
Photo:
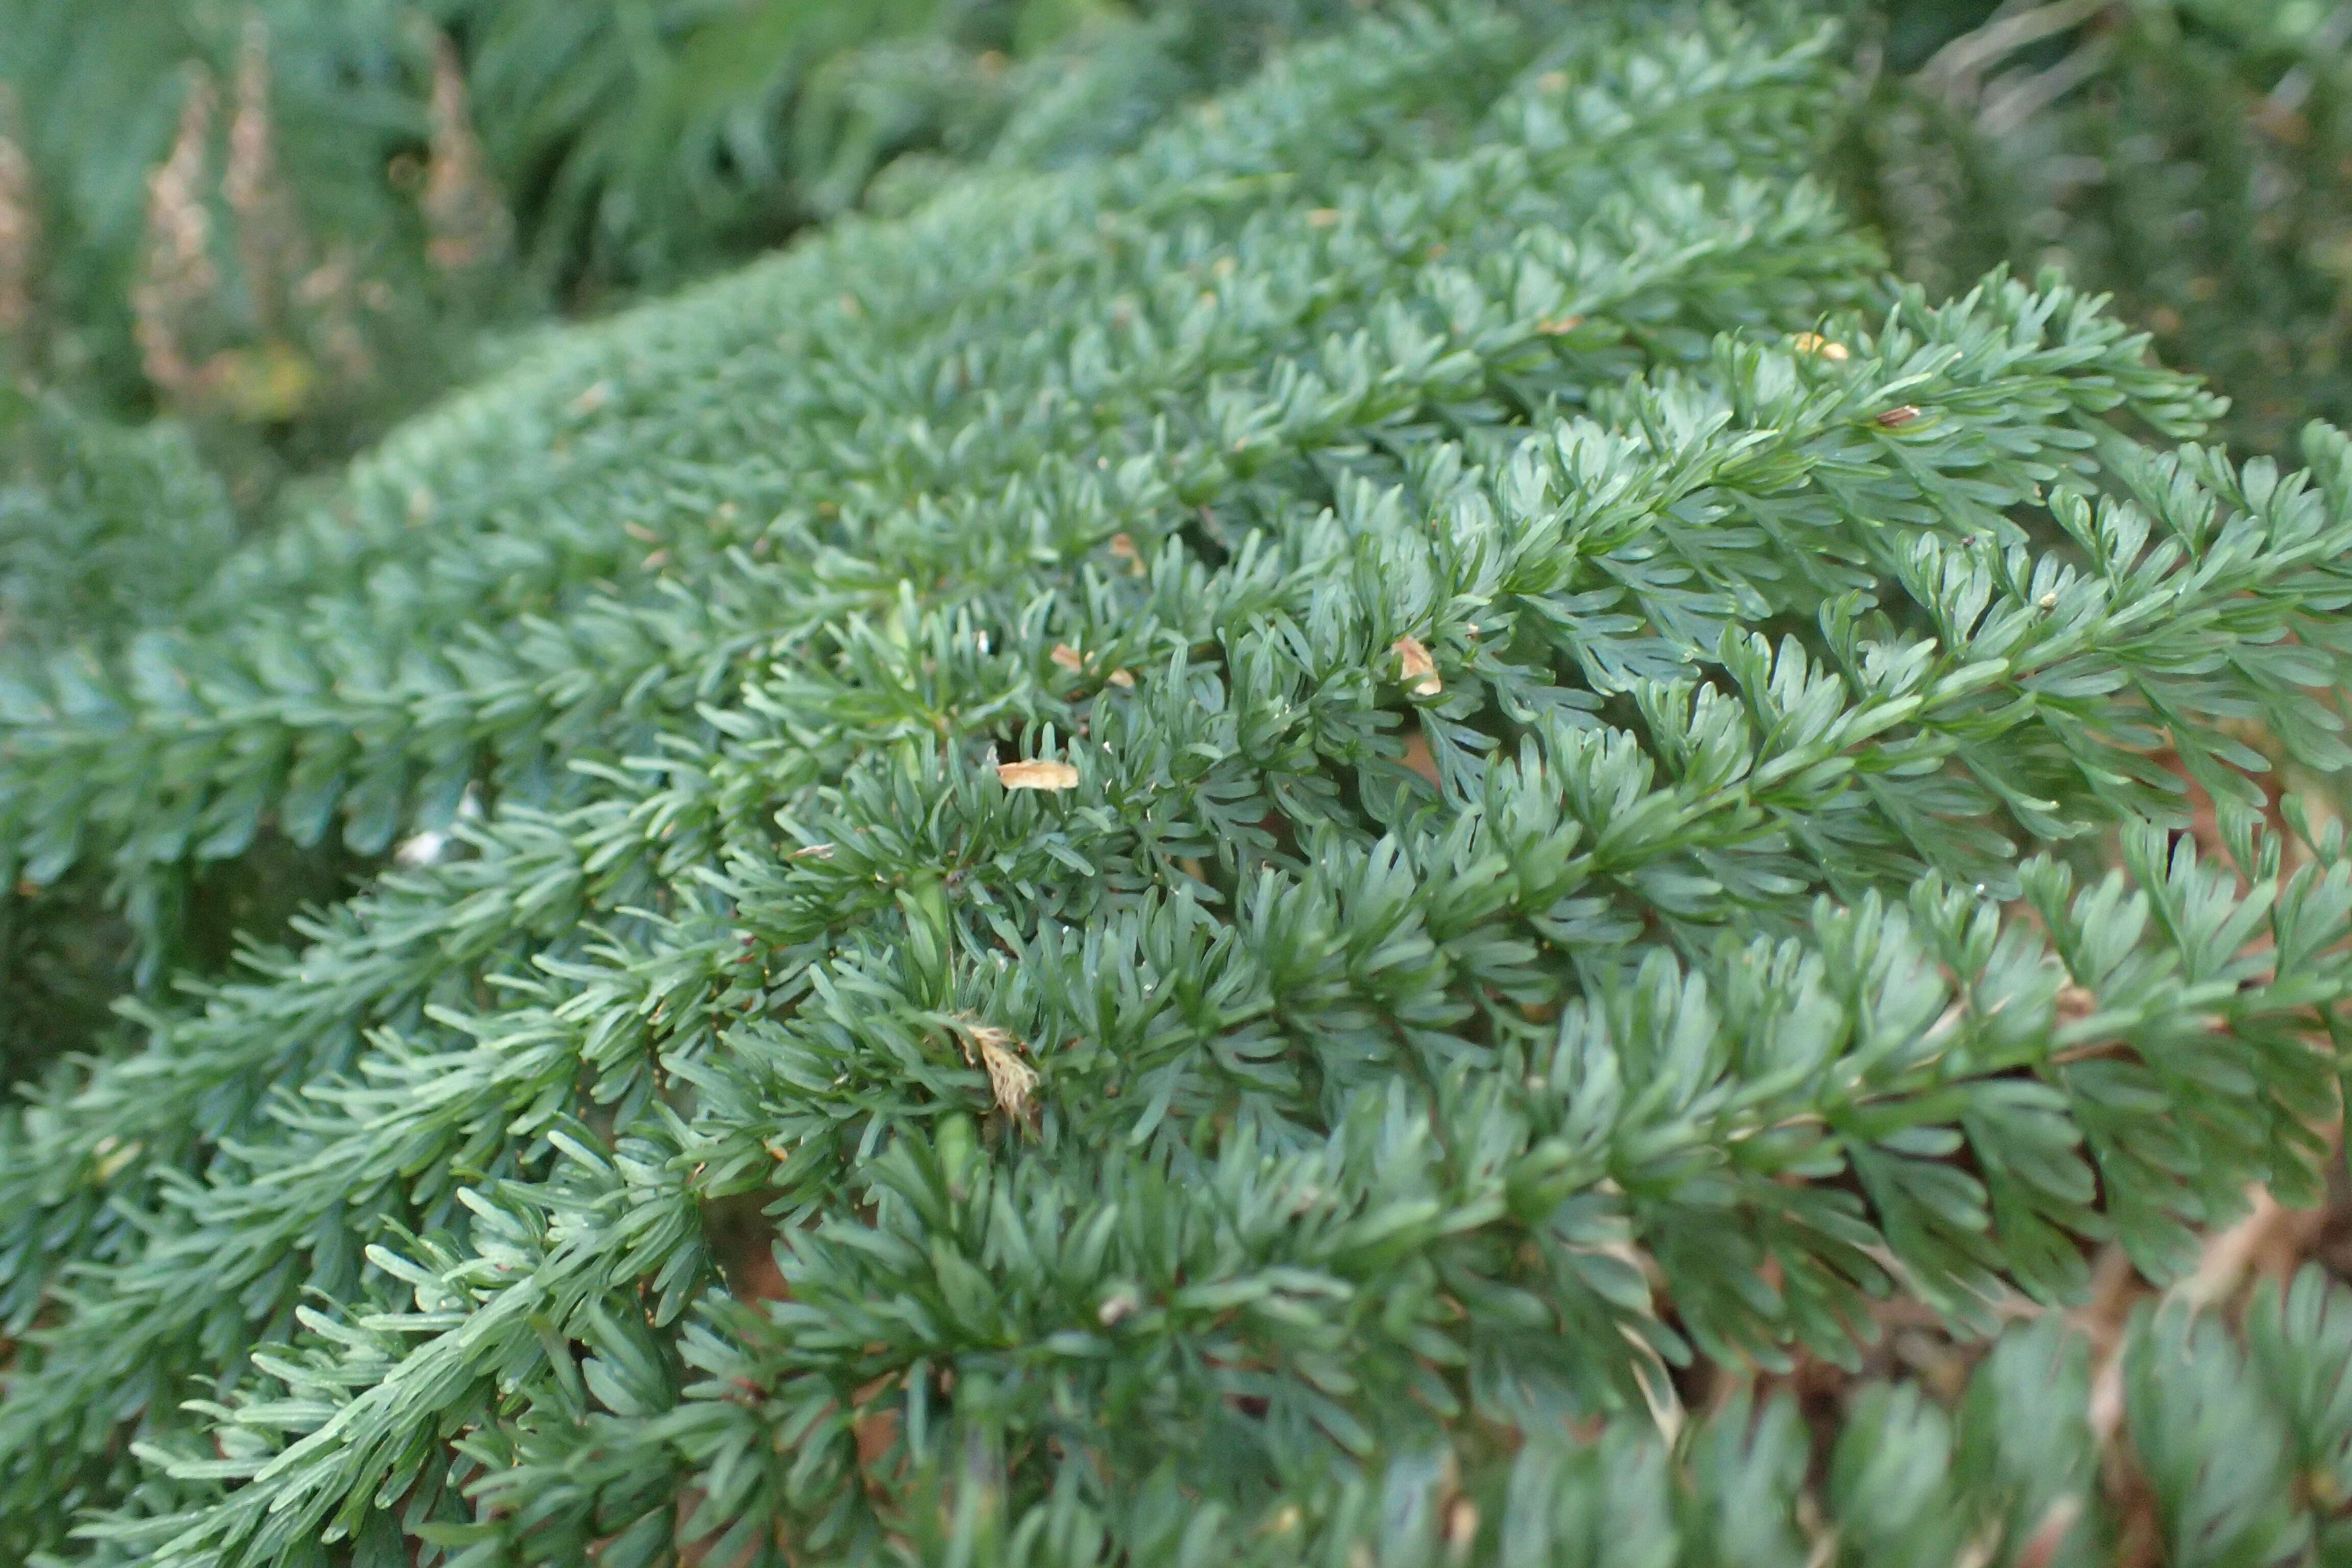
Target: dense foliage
(1326, 844)
(2193, 156)
(286, 224)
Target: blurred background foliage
(238, 238)
(2194, 157)
(293, 220)
(301, 216)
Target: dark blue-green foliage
(1614, 789)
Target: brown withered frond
(176, 275)
(20, 227)
(467, 219)
(271, 248)
(1010, 1079)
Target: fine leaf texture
(1318, 829)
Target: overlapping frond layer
(1309, 811)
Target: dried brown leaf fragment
(1040, 774)
(1418, 669)
(1011, 1080)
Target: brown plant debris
(20, 225)
(176, 275)
(270, 245)
(1040, 774)
(1418, 669)
(1417, 757)
(1010, 1079)
(466, 218)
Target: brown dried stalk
(20, 229)
(270, 244)
(468, 224)
(326, 296)
(176, 275)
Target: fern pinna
(1328, 833)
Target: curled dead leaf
(1038, 774)
(1119, 678)
(1420, 672)
(1068, 657)
(1010, 1079)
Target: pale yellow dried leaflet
(1419, 670)
(1009, 1078)
(1038, 775)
